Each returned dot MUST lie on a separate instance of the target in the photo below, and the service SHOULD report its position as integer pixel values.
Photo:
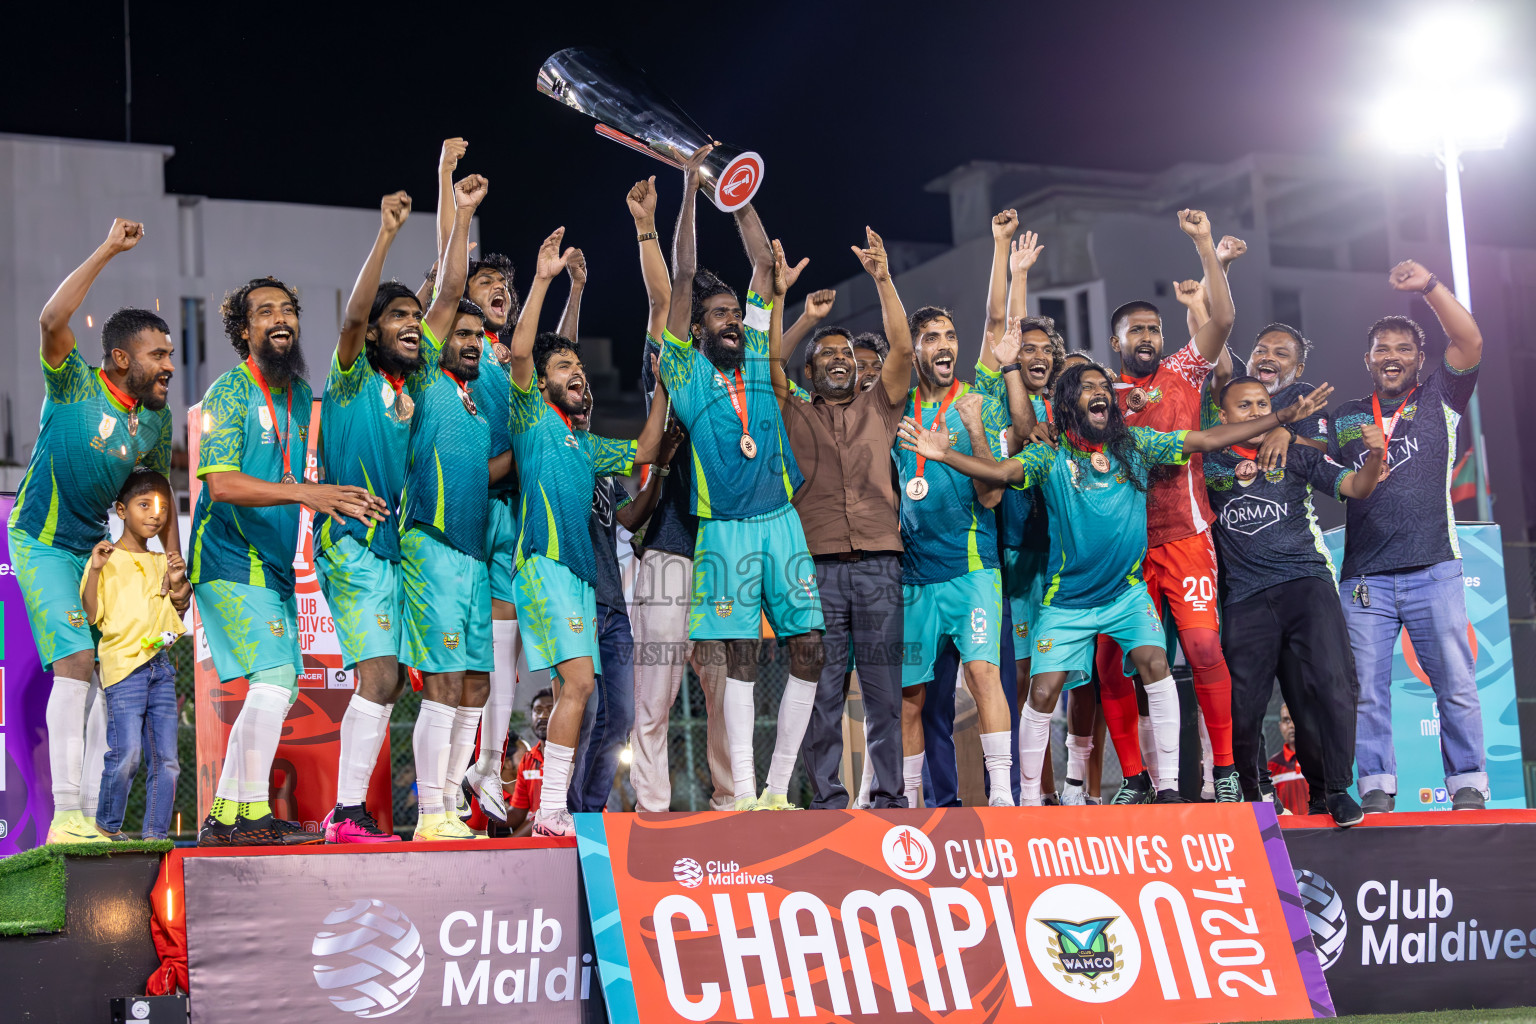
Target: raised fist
(470, 191)
(453, 152)
(1005, 225)
(394, 209)
(1195, 224)
(1229, 249)
(642, 200)
(125, 234)
(1409, 276)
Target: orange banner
(1146, 914)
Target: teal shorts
(248, 628)
(501, 547)
(447, 607)
(968, 609)
(363, 593)
(557, 614)
(50, 588)
(1024, 586)
(1066, 638)
(746, 568)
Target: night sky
(854, 106)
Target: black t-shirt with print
(1408, 521)
(672, 527)
(1266, 532)
(608, 496)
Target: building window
(1080, 314)
(194, 347)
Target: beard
(140, 384)
(280, 368)
(823, 385)
(455, 363)
(1138, 365)
(561, 398)
(391, 361)
(718, 352)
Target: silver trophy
(629, 108)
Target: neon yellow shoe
(774, 802)
(74, 827)
(436, 828)
(746, 803)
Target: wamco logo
(370, 959)
(1083, 943)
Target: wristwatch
(662, 470)
(1010, 368)
(646, 237)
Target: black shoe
(1468, 799)
(269, 831)
(215, 833)
(1344, 810)
(1318, 805)
(1229, 789)
(1050, 800)
(1137, 789)
(1169, 796)
(1377, 801)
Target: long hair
(1117, 433)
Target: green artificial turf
(1513, 1015)
(32, 882)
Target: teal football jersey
(727, 484)
(363, 443)
(561, 467)
(492, 391)
(253, 546)
(1098, 521)
(949, 532)
(83, 456)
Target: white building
(57, 201)
(1321, 234)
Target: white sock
(461, 746)
(1148, 743)
(740, 716)
(997, 755)
(260, 725)
(912, 779)
(66, 741)
(362, 733)
(1079, 749)
(430, 742)
(1034, 745)
(794, 715)
(94, 757)
(1207, 757)
(498, 703)
(867, 780)
(1163, 705)
(557, 777)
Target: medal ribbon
(917, 407)
(739, 404)
(463, 391)
(266, 392)
(1389, 428)
(1084, 446)
(122, 397)
(1247, 453)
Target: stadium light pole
(1443, 108)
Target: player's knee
(75, 666)
(741, 659)
(477, 687)
(285, 679)
(1202, 648)
(806, 656)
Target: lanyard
(1050, 417)
(917, 407)
(1390, 428)
(469, 403)
(1247, 453)
(250, 364)
(123, 398)
(1084, 446)
(739, 404)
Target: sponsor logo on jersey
(576, 623)
(77, 618)
(383, 621)
(1044, 646)
(1021, 630)
(723, 607)
(451, 640)
(106, 426)
(277, 626)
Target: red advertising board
(304, 771)
(1142, 914)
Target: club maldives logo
(1325, 915)
(908, 852)
(370, 959)
(739, 181)
(688, 872)
(1083, 943)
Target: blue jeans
(141, 719)
(1431, 603)
(609, 716)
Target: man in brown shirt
(842, 435)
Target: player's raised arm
(1212, 335)
(1021, 411)
(1464, 348)
(685, 260)
(1004, 226)
(780, 347)
(550, 264)
(1220, 437)
(1021, 257)
(570, 319)
(896, 372)
(58, 338)
(447, 161)
(641, 201)
(817, 305)
(754, 238)
(453, 266)
(988, 493)
(394, 209)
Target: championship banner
(1144, 914)
(1421, 917)
(1416, 713)
(438, 934)
(304, 771)
(26, 794)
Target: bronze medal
(502, 353)
(1386, 471)
(1246, 470)
(133, 422)
(405, 406)
(288, 478)
(1136, 400)
(917, 488)
(469, 403)
(1100, 462)
(748, 446)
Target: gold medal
(1100, 462)
(917, 488)
(1246, 470)
(748, 446)
(1136, 400)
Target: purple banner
(26, 796)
